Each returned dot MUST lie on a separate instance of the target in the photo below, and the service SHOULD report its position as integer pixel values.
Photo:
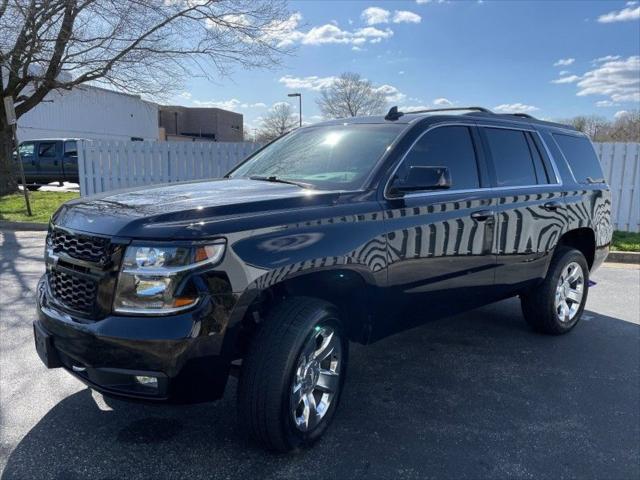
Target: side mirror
(421, 178)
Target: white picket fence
(110, 165)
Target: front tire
(293, 374)
(555, 306)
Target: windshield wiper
(280, 180)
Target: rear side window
(512, 157)
(450, 147)
(47, 150)
(71, 149)
(581, 157)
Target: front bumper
(183, 352)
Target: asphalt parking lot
(473, 396)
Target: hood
(186, 210)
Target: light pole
(299, 95)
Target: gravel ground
(473, 396)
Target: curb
(624, 257)
(24, 226)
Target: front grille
(82, 247)
(73, 291)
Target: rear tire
(555, 306)
(292, 376)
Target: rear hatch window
(581, 156)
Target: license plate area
(44, 347)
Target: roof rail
(452, 109)
(523, 115)
(395, 114)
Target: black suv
(349, 230)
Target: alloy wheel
(569, 292)
(316, 378)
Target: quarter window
(512, 157)
(450, 147)
(581, 157)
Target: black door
(530, 205)
(440, 242)
(29, 162)
(49, 167)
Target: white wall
(91, 113)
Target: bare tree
(140, 46)
(625, 128)
(350, 96)
(278, 121)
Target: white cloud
(624, 15)
(515, 108)
(563, 62)
(620, 114)
(333, 34)
(312, 82)
(569, 79)
(405, 16)
(606, 103)
(375, 15)
(392, 94)
(414, 108)
(442, 102)
(231, 104)
(606, 59)
(617, 79)
(564, 72)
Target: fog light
(147, 381)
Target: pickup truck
(50, 160)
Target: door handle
(482, 215)
(552, 206)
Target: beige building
(195, 123)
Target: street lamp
(299, 95)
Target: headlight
(150, 280)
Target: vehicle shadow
(474, 396)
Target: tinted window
(450, 147)
(327, 157)
(581, 157)
(47, 150)
(27, 149)
(511, 157)
(71, 149)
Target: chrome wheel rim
(316, 379)
(569, 292)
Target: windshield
(325, 157)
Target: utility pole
(10, 112)
(299, 95)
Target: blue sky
(553, 59)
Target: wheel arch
(582, 239)
(348, 289)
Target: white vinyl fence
(110, 165)
(105, 165)
(621, 167)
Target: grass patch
(626, 241)
(43, 205)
